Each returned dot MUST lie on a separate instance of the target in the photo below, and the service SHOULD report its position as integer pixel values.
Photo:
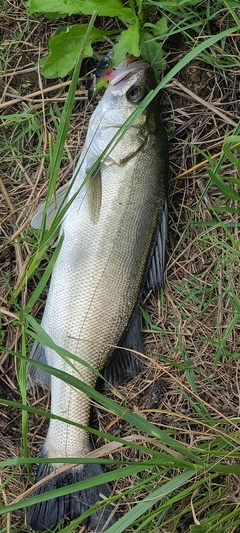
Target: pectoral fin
(94, 194)
(60, 198)
(35, 375)
(125, 364)
(156, 273)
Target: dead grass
(199, 109)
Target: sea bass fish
(114, 233)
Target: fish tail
(46, 515)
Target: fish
(114, 234)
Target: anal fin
(125, 364)
(156, 273)
(35, 375)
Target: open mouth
(125, 69)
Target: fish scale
(109, 231)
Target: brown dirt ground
(191, 330)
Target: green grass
(185, 478)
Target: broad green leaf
(128, 43)
(119, 52)
(107, 8)
(131, 40)
(151, 50)
(160, 28)
(65, 48)
(104, 8)
(63, 7)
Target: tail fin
(46, 515)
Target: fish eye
(136, 93)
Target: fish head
(129, 83)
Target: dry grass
(193, 315)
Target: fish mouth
(125, 69)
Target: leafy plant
(140, 37)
